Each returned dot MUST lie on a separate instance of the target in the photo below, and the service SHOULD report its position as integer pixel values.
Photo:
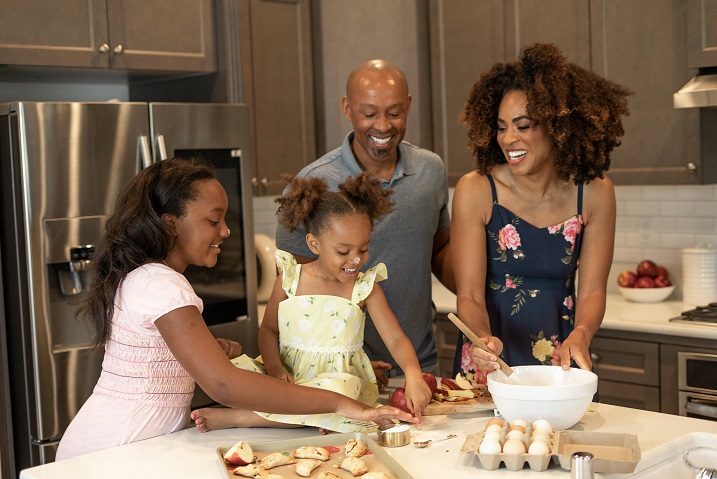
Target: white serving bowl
(543, 392)
(647, 295)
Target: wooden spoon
(477, 341)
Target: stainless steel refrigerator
(62, 167)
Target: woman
(537, 206)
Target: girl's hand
(418, 395)
(231, 348)
(380, 415)
(484, 360)
(283, 375)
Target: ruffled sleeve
(289, 269)
(366, 280)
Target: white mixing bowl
(543, 392)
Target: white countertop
(190, 454)
(620, 314)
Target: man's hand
(378, 369)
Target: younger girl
(312, 331)
(149, 320)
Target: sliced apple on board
(462, 382)
(240, 454)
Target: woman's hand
(231, 348)
(575, 348)
(483, 360)
(418, 395)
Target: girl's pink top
(138, 365)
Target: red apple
(431, 381)
(647, 268)
(626, 279)
(240, 454)
(398, 399)
(662, 281)
(662, 271)
(644, 282)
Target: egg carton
(613, 452)
(513, 462)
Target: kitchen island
(190, 454)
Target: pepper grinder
(581, 466)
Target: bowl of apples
(649, 283)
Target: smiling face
(527, 148)
(200, 232)
(377, 104)
(342, 246)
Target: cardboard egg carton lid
(614, 453)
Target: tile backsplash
(653, 222)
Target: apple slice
(240, 454)
(462, 382)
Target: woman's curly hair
(580, 109)
(310, 203)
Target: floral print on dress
(508, 238)
(569, 229)
(546, 350)
(569, 303)
(514, 283)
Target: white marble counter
(189, 454)
(620, 314)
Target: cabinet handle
(118, 50)
(104, 48)
(594, 357)
(691, 167)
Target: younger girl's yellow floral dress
(321, 344)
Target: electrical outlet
(645, 232)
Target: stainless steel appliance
(701, 316)
(697, 383)
(62, 166)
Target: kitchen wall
(653, 222)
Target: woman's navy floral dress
(530, 286)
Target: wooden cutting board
(479, 403)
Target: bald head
(375, 74)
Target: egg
(542, 425)
(514, 434)
(494, 428)
(489, 446)
(513, 446)
(539, 448)
(495, 420)
(493, 435)
(517, 428)
(519, 422)
(541, 436)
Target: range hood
(700, 91)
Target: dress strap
(492, 188)
(580, 199)
(290, 271)
(365, 281)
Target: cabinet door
(69, 33)
(627, 361)
(278, 87)
(563, 22)
(659, 141)
(161, 35)
(702, 33)
(466, 39)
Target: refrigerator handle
(161, 147)
(143, 154)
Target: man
(413, 241)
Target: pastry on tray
(250, 470)
(356, 448)
(276, 459)
(354, 465)
(311, 452)
(328, 475)
(305, 466)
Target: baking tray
(377, 460)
